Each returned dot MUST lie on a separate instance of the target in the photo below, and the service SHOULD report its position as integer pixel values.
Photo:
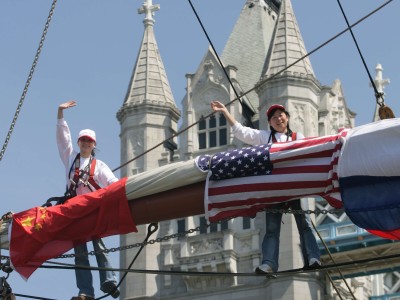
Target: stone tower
(267, 32)
(148, 115)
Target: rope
(28, 81)
(334, 285)
(153, 227)
(334, 262)
(260, 83)
(197, 229)
(377, 94)
(33, 297)
(326, 268)
(221, 65)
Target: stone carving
(206, 246)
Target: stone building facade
(267, 31)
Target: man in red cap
(278, 119)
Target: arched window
(214, 227)
(212, 132)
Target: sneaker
(314, 263)
(264, 269)
(110, 287)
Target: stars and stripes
(248, 161)
(301, 168)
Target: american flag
(249, 161)
(297, 169)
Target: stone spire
(249, 42)
(149, 82)
(288, 45)
(148, 116)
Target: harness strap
(294, 136)
(291, 134)
(91, 175)
(91, 183)
(75, 179)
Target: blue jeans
(270, 244)
(84, 279)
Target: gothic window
(181, 226)
(246, 223)
(224, 224)
(212, 132)
(203, 225)
(214, 227)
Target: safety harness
(291, 134)
(84, 176)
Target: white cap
(87, 133)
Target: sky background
(89, 54)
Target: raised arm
(61, 107)
(219, 107)
(63, 134)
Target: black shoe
(264, 269)
(313, 264)
(110, 287)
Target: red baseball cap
(272, 109)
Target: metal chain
(198, 228)
(28, 81)
(142, 244)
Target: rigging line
(33, 297)
(28, 81)
(221, 65)
(334, 285)
(153, 227)
(334, 262)
(325, 268)
(261, 82)
(377, 94)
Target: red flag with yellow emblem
(42, 233)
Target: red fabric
(391, 235)
(42, 233)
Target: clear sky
(89, 54)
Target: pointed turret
(296, 88)
(148, 116)
(288, 45)
(149, 113)
(249, 43)
(149, 80)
